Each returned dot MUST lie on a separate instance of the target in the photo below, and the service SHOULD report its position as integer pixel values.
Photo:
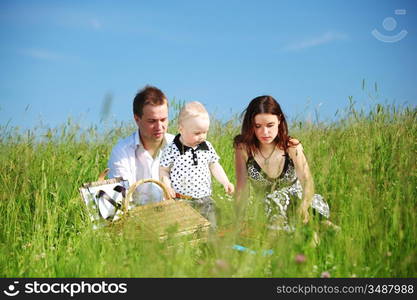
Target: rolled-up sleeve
(119, 163)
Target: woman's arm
(304, 175)
(242, 190)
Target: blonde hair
(192, 110)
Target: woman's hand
(303, 211)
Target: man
(137, 156)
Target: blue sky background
(61, 58)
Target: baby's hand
(171, 192)
(229, 188)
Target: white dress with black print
(280, 192)
(189, 167)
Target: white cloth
(131, 161)
(188, 176)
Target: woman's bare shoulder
(292, 142)
(294, 147)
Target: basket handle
(133, 187)
(103, 174)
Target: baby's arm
(220, 175)
(164, 177)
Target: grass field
(364, 165)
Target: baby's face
(194, 131)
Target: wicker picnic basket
(158, 220)
(166, 218)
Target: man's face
(154, 122)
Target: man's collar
(138, 142)
(182, 148)
(137, 138)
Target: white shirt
(131, 161)
(189, 167)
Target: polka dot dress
(189, 167)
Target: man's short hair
(148, 95)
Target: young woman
(275, 165)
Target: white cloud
(42, 54)
(325, 38)
(96, 24)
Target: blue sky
(61, 58)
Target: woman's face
(266, 127)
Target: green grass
(364, 165)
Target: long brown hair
(262, 105)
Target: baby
(188, 162)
